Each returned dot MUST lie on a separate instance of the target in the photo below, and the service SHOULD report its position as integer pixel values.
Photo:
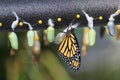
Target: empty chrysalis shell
(50, 33)
(85, 49)
(85, 36)
(59, 37)
(46, 42)
(117, 32)
(111, 27)
(106, 30)
(92, 37)
(36, 47)
(30, 37)
(13, 40)
(36, 51)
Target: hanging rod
(34, 10)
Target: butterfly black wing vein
(69, 51)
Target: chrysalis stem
(89, 19)
(15, 23)
(113, 15)
(50, 22)
(29, 25)
(50, 31)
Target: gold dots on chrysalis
(40, 21)
(20, 24)
(78, 16)
(100, 17)
(1, 24)
(59, 19)
(119, 11)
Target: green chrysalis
(50, 33)
(92, 37)
(30, 37)
(13, 40)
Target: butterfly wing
(69, 51)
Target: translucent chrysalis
(111, 25)
(59, 37)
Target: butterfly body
(69, 50)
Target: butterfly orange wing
(69, 51)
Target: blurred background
(101, 62)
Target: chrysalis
(117, 32)
(92, 32)
(92, 37)
(111, 25)
(30, 37)
(12, 52)
(30, 34)
(106, 30)
(85, 46)
(13, 37)
(46, 42)
(85, 36)
(85, 50)
(13, 40)
(50, 31)
(36, 48)
(59, 37)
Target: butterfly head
(71, 28)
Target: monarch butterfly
(69, 49)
